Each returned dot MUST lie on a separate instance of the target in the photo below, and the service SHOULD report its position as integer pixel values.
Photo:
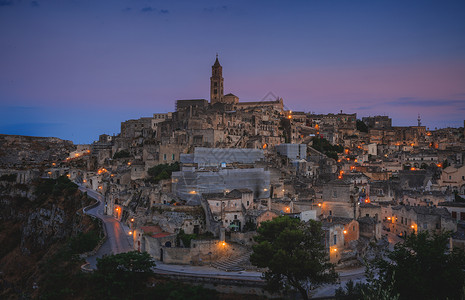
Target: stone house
(151, 239)
(423, 198)
(339, 199)
(230, 208)
(333, 239)
(453, 178)
(407, 219)
(370, 210)
(370, 227)
(265, 215)
(456, 209)
(350, 228)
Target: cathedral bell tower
(216, 83)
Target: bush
(55, 187)
(162, 171)
(84, 242)
(185, 238)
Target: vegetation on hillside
(163, 171)
(325, 147)
(55, 187)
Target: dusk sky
(77, 69)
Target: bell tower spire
(216, 82)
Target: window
(334, 194)
(215, 91)
(438, 226)
(425, 225)
(330, 213)
(367, 215)
(247, 203)
(353, 228)
(172, 156)
(215, 84)
(164, 156)
(335, 239)
(235, 217)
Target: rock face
(42, 221)
(43, 227)
(26, 150)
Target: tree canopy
(162, 171)
(324, 146)
(123, 273)
(423, 268)
(293, 254)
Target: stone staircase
(232, 264)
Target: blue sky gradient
(76, 69)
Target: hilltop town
(193, 185)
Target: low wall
(244, 238)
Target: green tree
(423, 268)
(162, 171)
(123, 275)
(293, 254)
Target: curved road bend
(118, 241)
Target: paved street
(118, 240)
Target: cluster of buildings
(230, 165)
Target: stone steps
(232, 264)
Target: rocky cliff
(35, 221)
(16, 150)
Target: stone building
(453, 178)
(378, 122)
(333, 239)
(408, 219)
(339, 199)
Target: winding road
(118, 239)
